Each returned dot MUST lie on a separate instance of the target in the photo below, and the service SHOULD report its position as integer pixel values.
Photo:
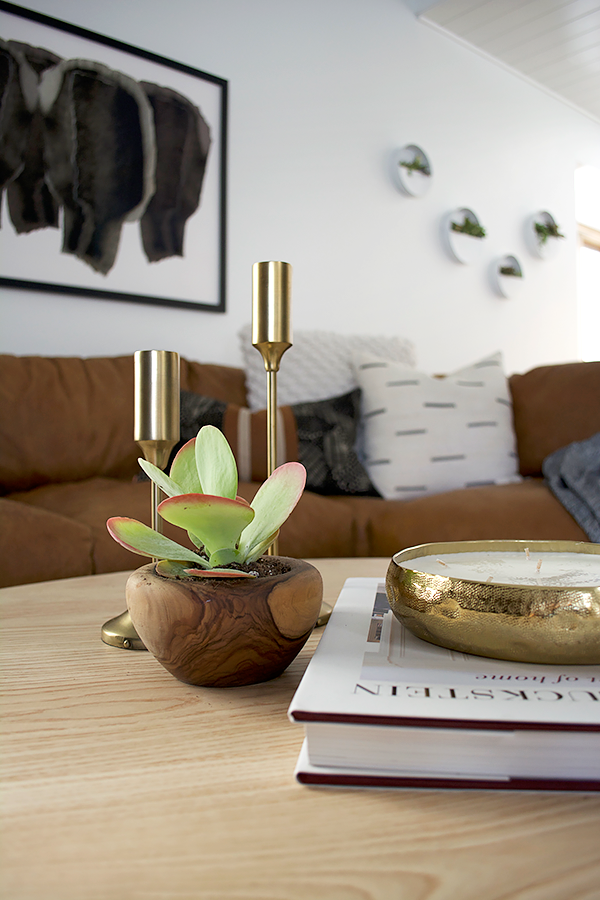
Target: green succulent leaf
(224, 556)
(184, 470)
(258, 549)
(215, 463)
(195, 540)
(273, 503)
(217, 521)
(166, 484)
(138, 538)
(172, 568)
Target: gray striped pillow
(424, 435)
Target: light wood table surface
(121, 783)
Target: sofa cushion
(39, 545)
(67, 419)
(320, 434)
(246, 431)
(317, 526)
(525, 511)
(64, 419)
(317, 366)
(424, 435)
(90, 503)
(327, 433)
(554, 406)
(226, 383)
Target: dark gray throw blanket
(573, 475)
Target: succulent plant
(225, 529)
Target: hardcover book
(381, 707)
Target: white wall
(321, 92)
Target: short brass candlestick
(272, 336)
(156, 429)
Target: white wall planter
(411, 170)
(464, 248)
(543, 249)
(507, 276)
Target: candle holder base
(324, 614)
(119, 632)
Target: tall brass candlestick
(271, 335)
(156, 430)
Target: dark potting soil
(266, 565)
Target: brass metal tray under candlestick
(552, 619)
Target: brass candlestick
(271, 335)
(156, 429)
(156, 412)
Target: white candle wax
(495, 566)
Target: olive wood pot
(225, 632)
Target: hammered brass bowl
(531, 623)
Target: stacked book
(383, 708)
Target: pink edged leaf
(216, 464)
(219, 573)
(273, 503)
(138, 538)
(157, 475)
(184, 471)
(217, 521)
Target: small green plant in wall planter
(469, 226)
(418, 164)
(507, 275)
(545, 231)
(463, 234)
(543, 235)
(411, 170)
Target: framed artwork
(113, 168)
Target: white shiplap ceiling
(554, 43)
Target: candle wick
(539, 565)
(527, 552)
(442, 563)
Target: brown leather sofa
(68, 462)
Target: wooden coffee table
(120, 782)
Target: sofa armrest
(552, 407)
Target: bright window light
(587, 196)
(587, 211)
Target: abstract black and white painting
(112, 168)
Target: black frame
(222, 85)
